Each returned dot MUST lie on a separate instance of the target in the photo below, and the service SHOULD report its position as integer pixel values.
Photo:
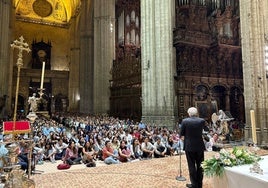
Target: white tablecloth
(240, 176)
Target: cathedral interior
(138, 59)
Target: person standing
(194, 147)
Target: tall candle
(253, 127)
(42, 75)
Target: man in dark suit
(194, 147)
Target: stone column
(265, 136)
(255, 82)
(5, 63)
(265, 21)
(104, 22)
(74, 95)
(157, 22)
(86, 57)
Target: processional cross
(21, 46)
(22, 126)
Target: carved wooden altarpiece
(208, 54)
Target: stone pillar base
(259, 138)
(265, 135)
(247, 133)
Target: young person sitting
(60, 147)
(71, 156)
(88, 153)
(147, 148)
(160, 148)
(135, 148)
(109, 155)
(124, 152)
(49, 152)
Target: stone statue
(33, 102)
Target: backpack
(91, 164)
(63, 166)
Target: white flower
(223, 151)
(227, 162)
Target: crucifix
(21, 46)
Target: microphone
(180, 177)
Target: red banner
(20, 127)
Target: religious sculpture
(33, 102)
(220, 122)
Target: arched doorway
(237, 103)
(219, 95)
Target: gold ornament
(42, 8)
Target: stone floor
(49, 167)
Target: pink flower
(217, 156)
(232, 156)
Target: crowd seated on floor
(78, 138)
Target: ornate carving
(227, 25)
(126, 73)
(59, 12)
(126, 70)
(42, 8)
(201, 93)
(25, 7)
(41, 51)
(193, 26)
(208, 53)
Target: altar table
(240, 176)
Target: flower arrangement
(235, 157)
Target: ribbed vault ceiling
(55, 12)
